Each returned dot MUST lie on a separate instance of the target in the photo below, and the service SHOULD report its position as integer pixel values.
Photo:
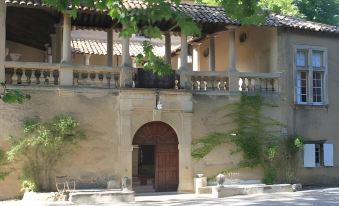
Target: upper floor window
(311, 70)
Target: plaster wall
(28, 54)
(93, 161)
(312, 122)
(258, 53)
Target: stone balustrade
(100, 77)
(45, 74)
(202, 81)
(261, 82)
(20, 73)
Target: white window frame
(326, 155)
(310, 71)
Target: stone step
(232, 190)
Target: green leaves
(12, 96)
(151, 62)
(42, 145)
(134, 20)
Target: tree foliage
(324, 11)
(151, 62)
(253, 11)
(43, 145)
(135, 20)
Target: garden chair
(62, 184)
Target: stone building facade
(129, 128)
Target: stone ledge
(232, 190)
(100, 196)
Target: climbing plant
(41, 147)
(256, 136)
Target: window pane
(317, 59)
(301, 59)
(302, 87)
(317, 87)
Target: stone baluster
(101, 79)
(39, 76)
(276, 84)
(271, 84)
(97, 80)
(193, 82)
(15, 76)
(263, 84)
(116, 77)
(243, 86)
(33, 77)
(109, 80)
(76, 76)
(47, 77)
(55, 74)
(92, 77)
(226, 88)
(24, 78)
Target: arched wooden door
(165, 140)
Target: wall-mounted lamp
(189, 59)
(158, 104)
(243, 37)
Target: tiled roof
(277, 20)
(216, 15)
(99, 47)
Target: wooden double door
(166, 154)
(166, 168)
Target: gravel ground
(315, 197)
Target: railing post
(127, 72)
(211, 60)
(66, 75)
(2, 40)
(184, 77)
(233, 82)
(110, 47)
(168, 47)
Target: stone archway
(164, 140)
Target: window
(318, 155)
(311, 68)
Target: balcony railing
(45, 74)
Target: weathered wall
(28, 54)
(257, 54)
(93, 161)
(312, 122)
(98, 60)
(208, 117)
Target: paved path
(317, 197)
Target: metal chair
(62, 183)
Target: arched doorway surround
(164, 140)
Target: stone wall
(93, 161)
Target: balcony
(84, 76)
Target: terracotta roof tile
(99, 47)
(215, 15)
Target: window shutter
(328, 155)
(309, 155)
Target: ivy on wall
(257, 137)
